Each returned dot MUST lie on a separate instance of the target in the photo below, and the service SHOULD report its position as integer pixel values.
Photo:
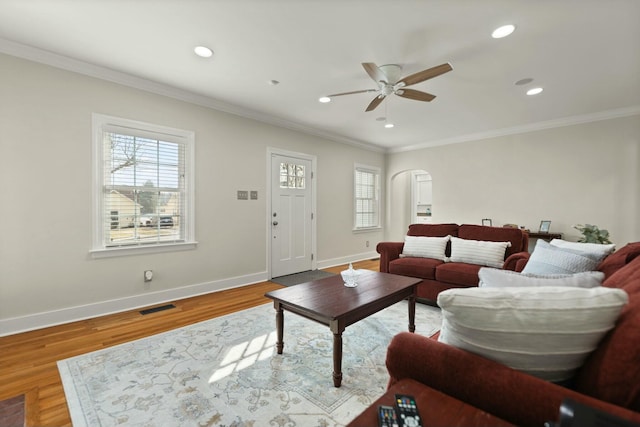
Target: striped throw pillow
(547, 332)
(481, 252)
(425, 247)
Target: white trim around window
(143, 188)
(366, 197)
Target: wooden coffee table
(330, 303)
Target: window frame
(102, 123)
(376, 171)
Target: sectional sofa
(608, 379)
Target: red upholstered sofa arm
(506, 393)
(388, 252)
(517, 261)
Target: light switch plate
(243, 195)
(254, 195)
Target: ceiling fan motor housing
(392, 71)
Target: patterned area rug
(305, 276)
(226, 372)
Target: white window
(143, 187)
(367, 197)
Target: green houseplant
(592, 234)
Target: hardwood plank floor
(28, 360)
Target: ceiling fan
(388, 79)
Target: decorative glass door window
(292, 176)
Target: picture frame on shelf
(544, 226)
(486, 222)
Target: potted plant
(592, 234)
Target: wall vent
(156, 309)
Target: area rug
(226, 372)
(305, 276)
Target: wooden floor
(28, 360)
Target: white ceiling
(584, 53)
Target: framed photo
(486, 221)
(544, 226)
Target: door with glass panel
(291, 215)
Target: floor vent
(156, 309)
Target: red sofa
(609, 380)
(438, 275)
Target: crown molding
(66, 63)
(531, 127)
(70, 64)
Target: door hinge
(311, 215)
(311, 174)
(311, 257)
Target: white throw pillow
(549, 259)
(601, 250)
(547, 332)
(481, 252)
(425, 247)
(494, 278)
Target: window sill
(142, 250)
(365, 230)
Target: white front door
(291, 215)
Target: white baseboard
(72, 314)
(347, 259)
(46, 319)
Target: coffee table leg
(412, 313)
(279, 327)
(337, 352)
(337, 360)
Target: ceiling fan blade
(415, 95)
(351, 93)
(376, 101)
(426, 74)
(374, 72)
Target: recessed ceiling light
(503, 31)
(534, 91)
(389, 125)
(324, 99)
(203, 51)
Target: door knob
(275, 222)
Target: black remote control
(387, 416)
(407, 411)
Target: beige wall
(582, 173)
(586, 173)
(46, 272)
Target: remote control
(387, 416)
(407, 411)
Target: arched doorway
(404, 190)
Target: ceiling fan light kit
(387, 77)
